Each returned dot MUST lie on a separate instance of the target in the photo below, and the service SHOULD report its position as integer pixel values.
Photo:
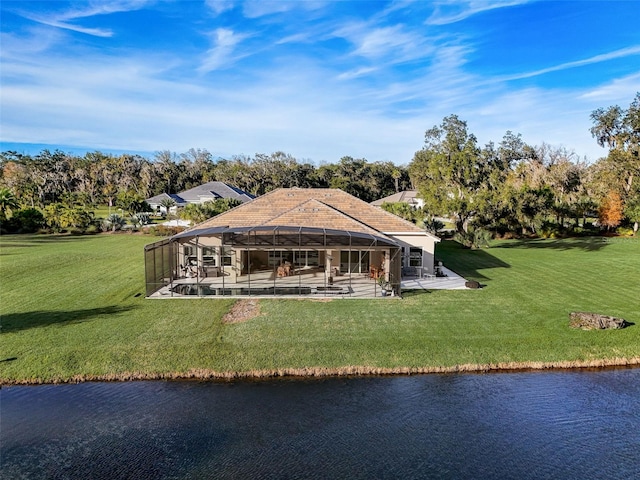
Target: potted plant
(384, 285)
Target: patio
(452, 281)
(309, 283)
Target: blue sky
(317, 79)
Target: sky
(316, 79)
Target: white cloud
(347, 102)
(221, 54)
(300, 112)
(57, 23)
(453, 11)
(220, 6)
(261, 8)
(38, 39)
(358, 72)
(387, 40)
(391, 44)
(63, 19)
(624, 52)
(100, 7)
(619, 90)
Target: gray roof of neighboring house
(215, 190)
(209, 190)
(407, 196)
(164, 196)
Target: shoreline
(322, 372)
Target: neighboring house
(156, 202)
(200, 194)
(407, 196)
(291, 241)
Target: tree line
(513, 187)
(505, 187)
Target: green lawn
(73, 306)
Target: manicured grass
(103, 211)
(74, 307)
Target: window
(209, 257)
(189, 255)
(305, 258)
(300, 259)
(354, 261)
(312, 259)
(226, 256)
(415, 257)
(276, 257)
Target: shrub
(164, 231)
(113, 222)
(77, 219)
(625, 231)
(476, 238)
(53, 215)
(29, 220)
(610, 213)
(433, 225)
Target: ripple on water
(517, 425)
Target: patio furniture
(375, 272)
(288, 269)
(409, 272)
(210, 272)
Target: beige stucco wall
(423, 240)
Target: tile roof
(407, 196)
(312, 207)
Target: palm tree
(114, 222)
(168, 203)
(8, 202)
(140, 218)
(396, 174)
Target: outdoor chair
(409, 272)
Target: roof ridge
(346, 215)
(223, 214)
(269, 220)
(388, 214)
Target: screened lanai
(272, 261)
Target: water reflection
(519, 425)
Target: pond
(555, 425)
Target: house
(157, 202)
(206, 192)
(407, 196)
(291, 241)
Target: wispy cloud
(350, 79)
(453, 11)
(394, 43)
(63, 19)
(261, 8)
(619, 88)
(220, 6)
(221, 53)
(358, 72)
(623, 52)
(59, 23)
(387, 40)
(37, 39)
